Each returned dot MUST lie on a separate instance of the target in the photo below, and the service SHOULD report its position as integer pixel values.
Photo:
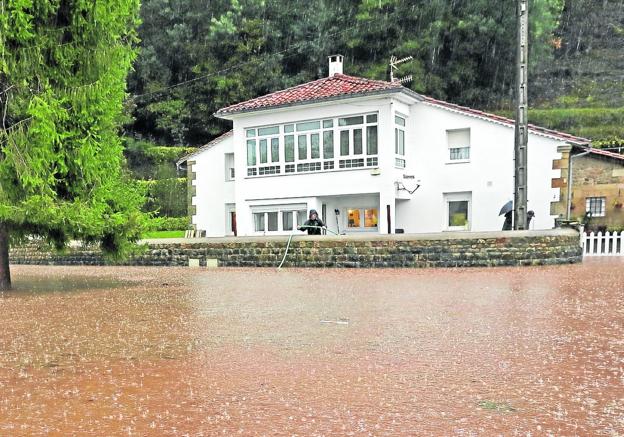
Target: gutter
(572, 157)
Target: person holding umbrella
(507, 211)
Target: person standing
(313, 225)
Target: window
(263, 151)
(258, 221)
(275, 149)
(289, 148)
(315, 151)
(344, 142)
(357, 141)
(399, 136)
(399, 141)
(353, 218)
(595, 206)
(370, 218)
(309, 125)
(302, 146)
(350, 121)
(328, 144)
(311, 145)
(251, 152)
(302, 216)
(458, 211)
(273, 130)
(272, 221)
(278, 218)
(458, 144)
(362, 219)
(287, 220)
(229, 166)
(371, 139)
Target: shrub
(168, 223)
(165, 197)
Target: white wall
(291, 188)
(212, 190)
(488, 175)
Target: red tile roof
(508, 121)
(605, 153)
(207, 146)
(322, 89)
(341, 85)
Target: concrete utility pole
(522, 123)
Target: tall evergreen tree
(63, 68)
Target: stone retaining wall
(510, 248)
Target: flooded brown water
(147, 351)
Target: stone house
(597, 187)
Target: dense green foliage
(63, 68)
(147, 160)
(165, 197)
(601, 123)
(168, 223)
(154, 167)
(233, 50)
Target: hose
(290, 239)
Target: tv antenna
(394, 62)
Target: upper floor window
(229, 167)
(399, 140)
(310, 145)
(458, 144)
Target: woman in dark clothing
(313, 225)
(508, 226)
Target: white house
(369, 156)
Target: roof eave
(230, 115)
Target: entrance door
(233, 221)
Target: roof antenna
(394, 62)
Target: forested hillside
(198, 56)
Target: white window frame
(399, 160)
(299, 213)
(361, 228)
(450, 160)
(603, 205)
(326, 163)
(457, 197)
(230, 168)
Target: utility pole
(522, 123)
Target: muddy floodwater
(106, 351)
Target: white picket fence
(599, 244)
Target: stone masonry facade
(592, 176)
(433, 250)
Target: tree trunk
(5, 273)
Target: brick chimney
(335, 64)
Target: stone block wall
(593, 176)
(431, 250)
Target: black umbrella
(506, 208)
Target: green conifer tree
(63, 68)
